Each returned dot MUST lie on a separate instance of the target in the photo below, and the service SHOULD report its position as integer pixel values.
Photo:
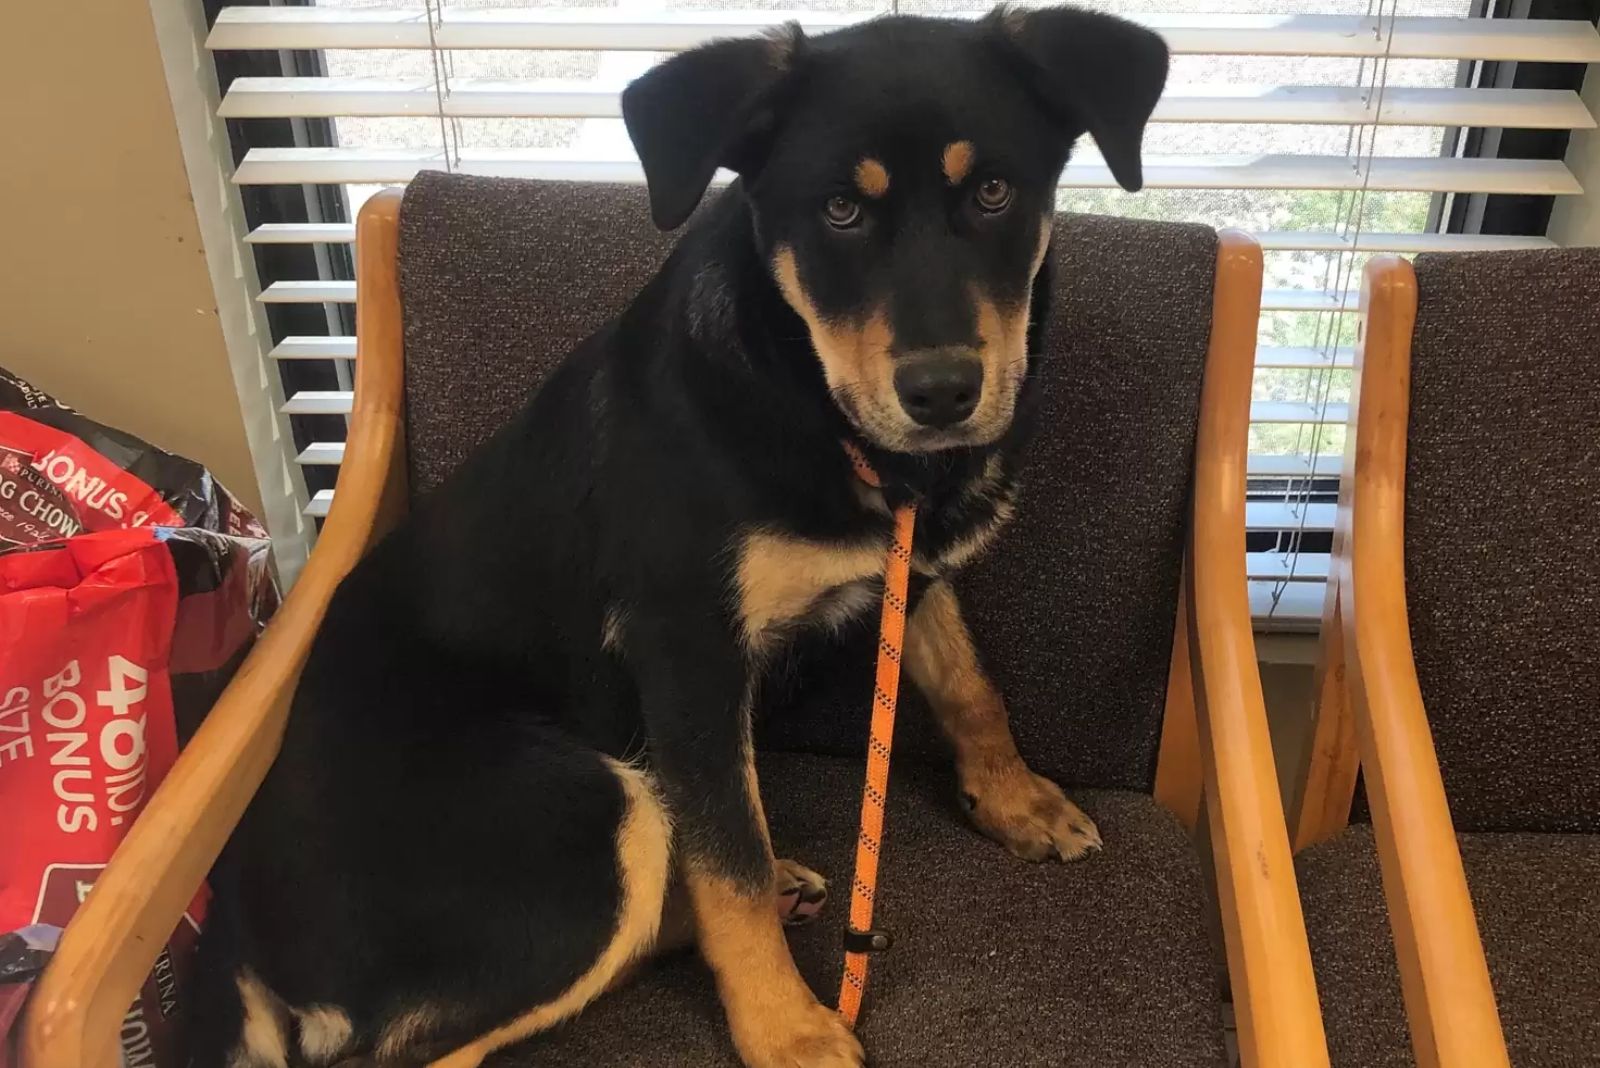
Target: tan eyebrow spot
(872, 178)
(957, 161)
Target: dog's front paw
(801, 892)
(1029, 815)
(809, 1035)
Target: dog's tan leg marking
(325, 1031)
(644, 861)
(677, 932)
(1026, 813)
(677, 919)
(406, 1029)
(264, 1040)
(775, 1019)
(801, 895)
(799, 889)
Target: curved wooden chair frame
(1370, 715)
(1215, 752)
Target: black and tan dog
(526, 722)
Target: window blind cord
(449, 83)
(449, 132)
(1308, 435)
(1337, 321)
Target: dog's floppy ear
(706, 108)
(1094, 72)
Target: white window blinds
(1331, 133)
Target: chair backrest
(1502, 533)
(499, 280)
(1073, 610)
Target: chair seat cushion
(1537, 898)
(996, 961)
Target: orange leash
(860, 938)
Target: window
(1332, 130)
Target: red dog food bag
(132, 585)
(87, 732)
(62, 474)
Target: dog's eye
(994, 195)
(842, 212)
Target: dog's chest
(784, 581)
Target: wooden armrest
(74, 1017)
(1269, 962)
(1327, 787)
(1449, 1001)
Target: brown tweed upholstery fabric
(500, 279)
(1104, 962)
(1537, 898)
(1502, 507)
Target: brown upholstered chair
(1461, 675)
(1118, 627)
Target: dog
(520, 758)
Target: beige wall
(1576, 220)
(105, 299)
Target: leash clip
(872, 941)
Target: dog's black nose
(939, 388)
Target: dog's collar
(905, 484)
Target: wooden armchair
(1461, 675)
(1107, 961)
